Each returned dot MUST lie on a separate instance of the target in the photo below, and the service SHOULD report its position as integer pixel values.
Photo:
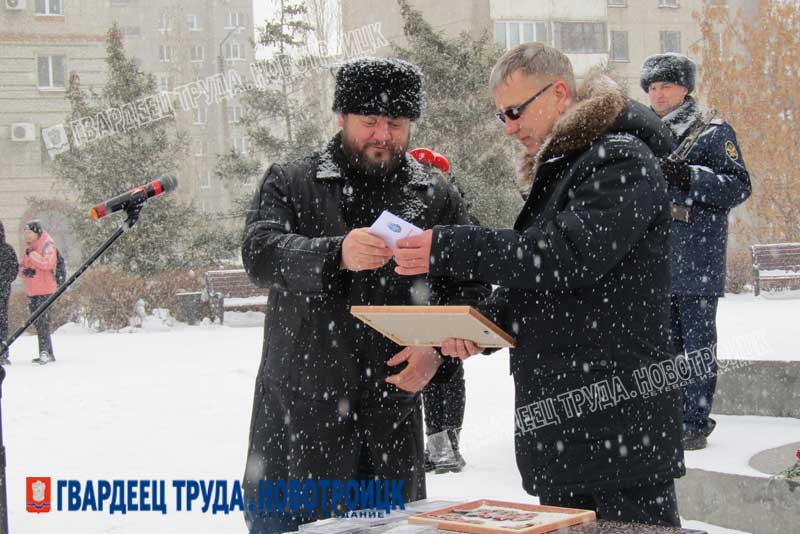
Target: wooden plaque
(499, 517)
(429, 326)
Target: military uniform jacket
(719, 182)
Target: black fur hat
(673, 68)
(377, 86)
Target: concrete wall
(749, 504)
(759, 388)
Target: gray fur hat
(673, 68)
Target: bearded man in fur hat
(704, 187)
(584, 278)
(334, 399)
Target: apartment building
(640, 28)
(40, 44)
(621, 33)
(576, 26)
(43, 42)
(181, 42)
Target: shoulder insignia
(730, 149)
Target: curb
(756, 505)
(768, 388)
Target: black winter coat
(585, 277)
(321, 401)
(9, 267)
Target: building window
(668, 3)
(205, 183)
(199, 149)
(52, 72)
(716, 39)
(199, 115)
(164, 82)
(164, 53)
(49, 7)
(165, 22)
(233, 50)
(234, 114)
(194, 23)
(510, 33)
(197, 53)
(617, 3)
(581, 37)
(670, 42)
(240, 144)
(619, 46)
(235, 20)
(131, 31)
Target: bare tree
(751, 74)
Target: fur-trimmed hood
(601, 107)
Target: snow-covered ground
(759, 328)
(737, 439)
(173, 402)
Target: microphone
(136, 196)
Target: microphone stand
(132, 216)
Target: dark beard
(359, 161)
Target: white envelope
(391, 228)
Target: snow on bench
(232, 288)
(775, 261)
(243, 302)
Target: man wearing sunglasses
(584, 277)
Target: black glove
(677, 173)
(29, 272)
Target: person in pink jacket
(37, 268)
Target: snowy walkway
(175, 404)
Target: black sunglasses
(516, 112)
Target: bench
(776, 261)
(232, 289)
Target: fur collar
(680, 120)
(599, 101)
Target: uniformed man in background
(704, 186)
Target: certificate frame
(492, 526)
(429, 326)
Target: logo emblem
(730, 149)
(37, 494)
(394, 227)
(55, 140)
